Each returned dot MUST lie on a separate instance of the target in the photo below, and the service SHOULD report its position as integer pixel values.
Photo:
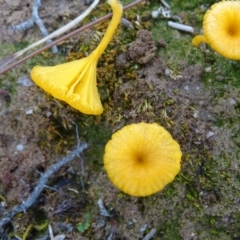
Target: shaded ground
(154, 76)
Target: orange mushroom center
(233, 29)
(140, 160)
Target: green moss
(169, 230)
(188, 5)
(96, 136)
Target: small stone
(209, 134)
(60, 237)
(126, 23)
(232, 102)
(195, 114)
(3, 204)
(24, 81)
(167, 72)
(155, 13)
(20, 147)
(48, 113)
(29, 111)
(208, 69)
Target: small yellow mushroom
(221, 28)
(75, 82)
(141, 159)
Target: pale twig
(25, 205)
(24, 25)
(165, 4)
(56, 33)
(9, 58)
(38, 21)
(50, 231)
(180, 26)
(150, 234)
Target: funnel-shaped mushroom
(221, 28)
(142, 158)
(75, 82)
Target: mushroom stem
(198, 39)
(117, 14)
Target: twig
(110, 237)
(38, 21)
(165, 4)
(50, 231)
(25, 205)
(63, 38)
(24, 25)
(181, 27)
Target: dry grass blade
(7, 60)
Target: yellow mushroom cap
(142, 159)
(73, 82)
(221, 27)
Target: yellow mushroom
(75, 82)
(221, 28)
(142, 159)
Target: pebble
(208, 69)
(126, 23)
(167, 71)
(232, 102)
(3, 204)
(20, 147)
(24, 81)
(209, 134)
(155, 13)
(60, 237)
(29, 111)
(195, 114)
(48, 113)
